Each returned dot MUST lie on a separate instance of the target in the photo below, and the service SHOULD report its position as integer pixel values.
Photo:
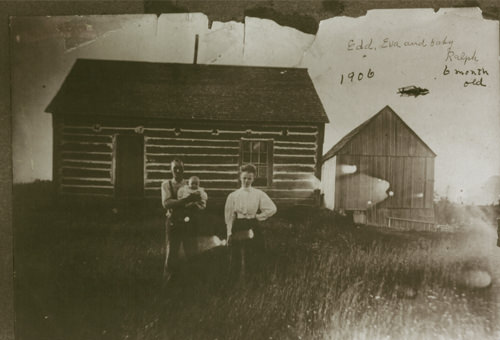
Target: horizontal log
(215, 150)
(294, 167)
(119, 122)
(265, 127)
(294, 151)
(231, 136)
(86, 156)
(220, 142)
(88, 190)
(89, 130)
(86, 138)
(97, 173)
(295, 184)
(70, 195)
(159, 125)
(218, 202)
(194, 167)
(222, 192)
(86, 181)
(294, 175)
(296, 201)
(206, 184)
(220, 134)
(191, 142)
(279, 159)
(278, 201)
(285, 145)
(295, 144)
(298, 133)
(90, 165)
(280, 128)
(241, 128)
(204, 159)
(231, 175)
(192, 124)
(87, 147)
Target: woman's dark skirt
(246, 254)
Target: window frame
(270, 157)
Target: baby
(193, 187)
(189, 215)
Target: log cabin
(382, 173)
(117, 125)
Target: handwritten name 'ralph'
(461, 57)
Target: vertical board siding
(406, 177)
(429, 183)
(386, 135)
(418, 184)
(328, 182)
(210, 151)
(365, 187)
(56, 161)
(398, 181)
(407, 182)
(386, 148)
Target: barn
(118, 124)
(382, 173)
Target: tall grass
(344, 286)
(97, 275)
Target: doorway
(129, 166)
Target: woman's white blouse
(245, 203)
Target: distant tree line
(458, 214)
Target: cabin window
(258, 153)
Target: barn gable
(383, 134)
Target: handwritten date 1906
(358, 76)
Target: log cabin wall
(119, 124)
(86, 159)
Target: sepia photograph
(257, 170)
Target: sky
(383, 51)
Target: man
(175, 233)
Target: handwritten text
(390, 43)
(475, 76)
(359, 76)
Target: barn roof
(347, 138)
(188, 91)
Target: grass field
(94, 274)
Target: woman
(244, 209)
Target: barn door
(129, 166)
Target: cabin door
(129, 166)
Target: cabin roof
(347, 138)
(188, 92)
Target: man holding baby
(181, 198)
(245, 208)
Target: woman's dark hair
(178, 161)
(248, 168)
